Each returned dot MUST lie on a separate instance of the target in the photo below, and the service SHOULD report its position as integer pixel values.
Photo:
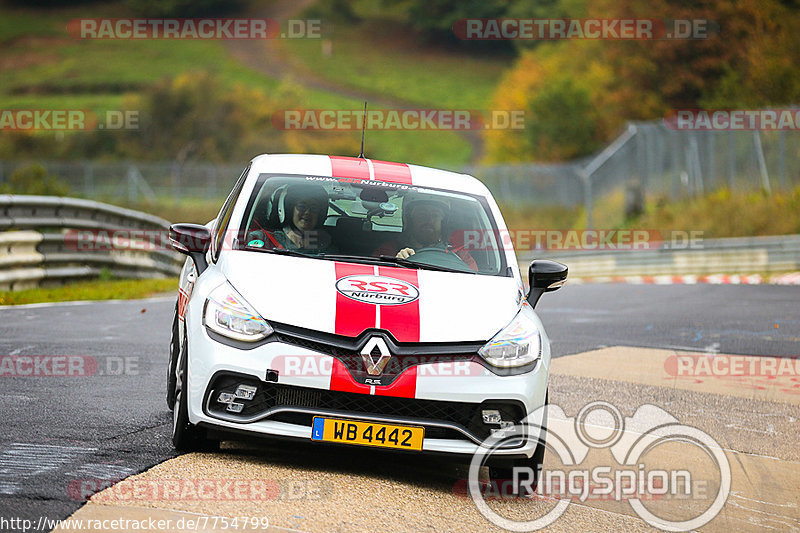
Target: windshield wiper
(359, 259)
(426, 266)
(392, 260)
(382, 260)
(281, 251)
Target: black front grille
(466, 415)
(321, 347)
(333, 344)
(404, 355)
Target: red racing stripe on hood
(349, 167)
(353, 317)
(401, 320)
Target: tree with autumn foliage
(578, 93)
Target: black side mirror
(192, 240)
(545, 276)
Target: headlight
(228, 314)
(519, 343)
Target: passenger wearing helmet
(305, 207)
(424, 217)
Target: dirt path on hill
(272, 59)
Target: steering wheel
(439, 257)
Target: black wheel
(186, 437)
(174, 352)
(504, 472)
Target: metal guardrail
(740, 255)
(50, 240)
(47, 240)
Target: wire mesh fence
(650, 159)
(674, 163)
(135, 181)
(647, 157)
(659, 161)
(536, 184)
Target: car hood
(348, 298)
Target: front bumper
(447, 401)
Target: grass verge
(124, 289)
(381, 56)
(44, 68)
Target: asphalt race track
(63, 437)
(108, 423)
(733, 319)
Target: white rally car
(356, 301)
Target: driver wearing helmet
(305, 209)
(423, 223)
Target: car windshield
(371, 222)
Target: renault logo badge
(375, 368)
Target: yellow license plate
(367, 433)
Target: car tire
(187, 437)
(174, 352)
(503, 473)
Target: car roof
(374, 169)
